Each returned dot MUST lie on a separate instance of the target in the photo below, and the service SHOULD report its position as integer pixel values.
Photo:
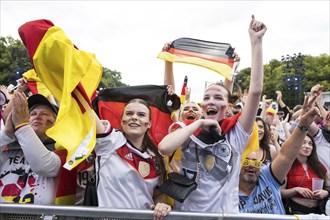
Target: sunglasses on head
(255, 163)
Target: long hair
(264, 142)
(313, 161)
(147, 143)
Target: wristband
(20, 125)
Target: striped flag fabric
(72, 76)
(212, 55)
(183, 90)
(110, 103)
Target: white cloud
(127, 35)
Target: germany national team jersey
(217, 189)
(126, 177)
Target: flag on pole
(72, 76)
(183, 90)
(110, 103)
(212, 55)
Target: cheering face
(41, 119)
(215, 102)
(250, 170)
(306, 148)
(261, 130)
(135, 120)
(190, 111)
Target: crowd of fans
(277, 177)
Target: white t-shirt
(323, 150)
(217, 189)
(19, 183)
(126, 177)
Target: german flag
(110, 103)
(183, 90)
(72, 76)
(212, 55)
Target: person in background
(266, 153)
(321, 136)
(259, 186)
(298, 191)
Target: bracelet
(20, 125)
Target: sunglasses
(255, 163)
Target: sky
(127, 36)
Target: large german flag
(212, 55)
(72, 76)
(109, 105)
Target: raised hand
(309, 112)
(20, 111)
(257, 30)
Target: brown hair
(147, 142)
(264, 142)
(313, 161)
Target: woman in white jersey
(217, 189)
(128, 164)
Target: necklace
(305, 166)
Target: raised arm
(291, 147)
(175, 139)
(168, 74)
(256, 30)
(229, 83)
(42, 161)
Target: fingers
(252, 21)
(161, 210)
(167, 46)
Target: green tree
(14, 60)
(111, 79)
(312, 71)
(317, 71)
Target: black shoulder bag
(90, 197)
(178, 186)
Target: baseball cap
(38, 99)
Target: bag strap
(171, 157)
(198, 174)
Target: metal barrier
(38, 212)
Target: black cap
(38, 99)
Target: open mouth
(211, 111)
(250, 171)
(191, 116)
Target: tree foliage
(315, 71)
(14, 61)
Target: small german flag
(212, 55)
(183, 90)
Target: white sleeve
(4, 139)
(42, 161)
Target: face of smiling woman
(215, 102)
(135, 120)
